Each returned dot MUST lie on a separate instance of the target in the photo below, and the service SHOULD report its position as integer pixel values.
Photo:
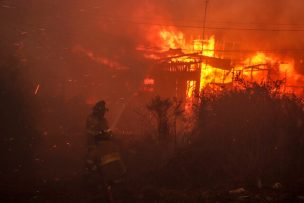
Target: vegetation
(251, 137)
(166, 112)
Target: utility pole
(204, 18)
(203, 36)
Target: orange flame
(172, 40)
(208, 73)
(256, 68)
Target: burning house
(186, 71)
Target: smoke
(72, 48)
(46, 33)
(271, 24)
(114, 29)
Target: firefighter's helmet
(100, 107)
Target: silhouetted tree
(166, 111)
(160, 108)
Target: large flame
(172, 40)
(208, 73)
(258, 67)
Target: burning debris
(201, 64)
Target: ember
(37, 89)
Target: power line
(206, 27)
(116, 17)
(205, 18)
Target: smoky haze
(66, 46)
(46, 31)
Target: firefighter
(97, 124)
(103, 158)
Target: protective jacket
(105, 158)
(95, 126)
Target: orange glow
(149, 81)
(173, 40)
(208, 47)
(148, 84)
(169, 38)
(256, 68)
(258, 58)
(98, 59)
(259, 67)
(197, 45)
(271, 67)
(190, 93)
(208, 73)
(191, 86)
